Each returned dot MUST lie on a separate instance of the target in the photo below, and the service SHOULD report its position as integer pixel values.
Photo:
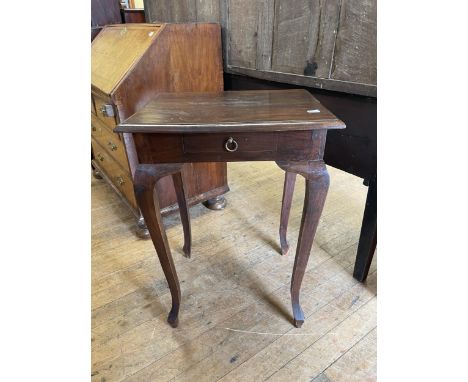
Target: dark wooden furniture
(104, 12)
(353, 150)
(131, 63)
(133, 15)
(288, 127)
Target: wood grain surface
(130, 64)
(235, 290)
(115, 50)
(328, 44)
(233, 111)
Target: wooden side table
(286, 126)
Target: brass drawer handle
(107, 110)
(120, 181)
(231, 145)
(100, 157)
(112, 146)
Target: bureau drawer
(105, 111)
(114, 171)
(109, 140)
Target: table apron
(215, 147)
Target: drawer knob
(93, 128)
(112, 146)
(107, 110)
(120, 180)
(231, 145)
(100, 157)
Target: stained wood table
(286, 126)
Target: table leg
(183, 209)
(288, 191)
(145, 179)
(317, 182)
(368, 237)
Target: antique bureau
(131, 63)
(286, 126)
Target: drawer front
(110, 141)
(249, 146)
(105, 111)
(114, 171)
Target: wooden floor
(235, 319)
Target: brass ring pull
(231, 145)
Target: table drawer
(229, 147)
(109, 140)
(105, 111)
(114, 171)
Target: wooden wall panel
(266, 17)
(304, 36)
(182, 11)
(171, 11)
(207, 10)
(356, 43)
(321, 56)
(296, 25)
(242, 33)
(329, 44)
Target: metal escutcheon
(231, 145)
(112, 146)
(107, 110)
(120, 180)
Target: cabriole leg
(317, 182)
(145, 180)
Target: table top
(231, 111)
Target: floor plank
(235, 320)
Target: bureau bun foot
(217, 203)
(141, 229)
(97, 174)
